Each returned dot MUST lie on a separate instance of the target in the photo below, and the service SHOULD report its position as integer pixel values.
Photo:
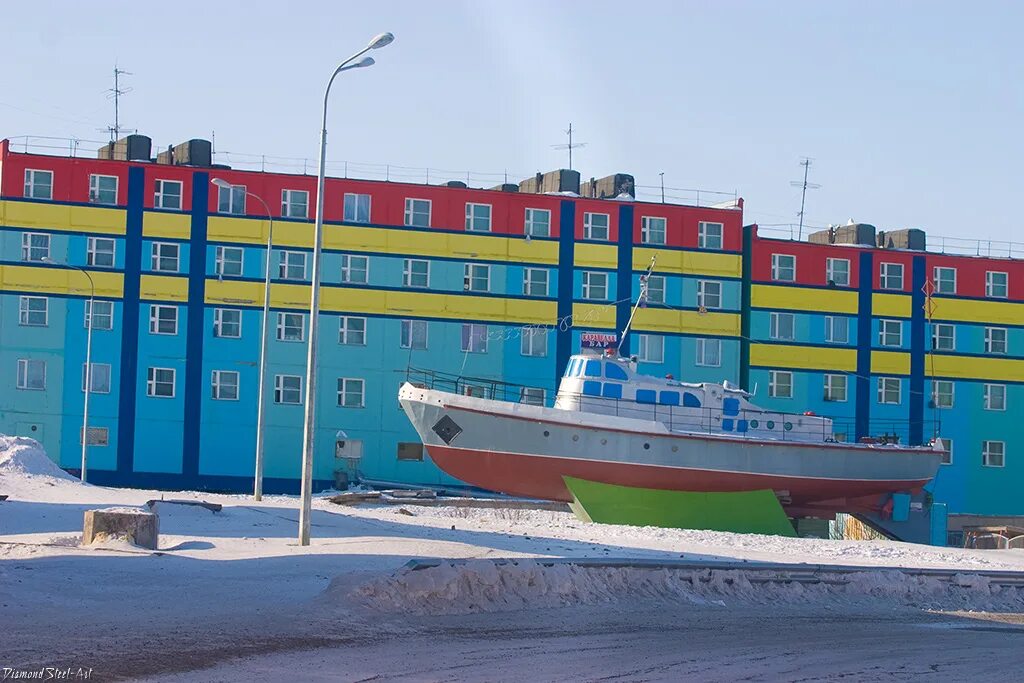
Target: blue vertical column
(127, 392)
(917, 349)
(566, 256)
(865, 279)
(748, 260)
(194, 312)
(624, 273)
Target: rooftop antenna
(115, 94)
(572, 145)
(806, 163)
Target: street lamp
(314, 301)
(88, 361)
(261, 396)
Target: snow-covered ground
(236, 584)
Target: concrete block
(130, 524)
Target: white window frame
(836, 388)
(589, 228)
(887, 272)
(217, 385)
(93, 250)
(775, 386)
(778, 267)
(413, 209)
(937, 328)
(937, 279)
(347, 268)
(407, 336)
(105, 368)
(476, 223)
(532, 396)
(156, 319)
(706, 299)
(589, 286)
(988, 452)
(221, 259)
(289, 202)
(830, 271)
(663, 286)
(236, 194)
(884, 333)
(280, 389)
(939, 389)
(31, 183)
(285, 265)
(343, 391)
(408, 274)
(22, 380)
(345, 330)
(530, 223)
(702, 345)
(474, 327)
(990, 284)
(470, 273)
(529, 344)
(356, 202)
(775, 319)
(161, 196)
(25, 311)
(647, 229)
(709, 233)
(645, 352)
(95, 190)
(29, 250)
(990, 342)
(218, 323)
(988, 402)
(947, 454)
(830, 329)
(283, 326)
(88, 308)
(885, 385)
(158, 257)
(152, 382)
(541, 282)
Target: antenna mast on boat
(640, 301)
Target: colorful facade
(475, 282)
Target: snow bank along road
(231, 597)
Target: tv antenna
(571, 146)
(115, 94)
(806, 163)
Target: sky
(911, 111)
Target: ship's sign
(598, 340)
(447, 429)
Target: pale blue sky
(912, 111)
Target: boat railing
(807, 426)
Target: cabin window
(612, 390)
(646, 396)
(593, 368)
(670, 398)
(591, 388)
(690, 401)
(613, 371)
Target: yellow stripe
(62, 217)
(969, 367)
(678, 262)
(60, 281)
(161, 224)
(803, 357)
(687, 322)
(595, 256)
(249, 231)
(803, 299)
(593, 316)
(890, 305)
(970, 310)
(163, 287)
(890, 363)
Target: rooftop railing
(935, 244)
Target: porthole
(788, 426)
(771, 424)
(604, 441)
(647, 446)
(753, 424)
(575, 437)
(547, 433)
(675, 449)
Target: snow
(24, 458)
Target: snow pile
(487, 586)
(25, 457)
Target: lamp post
(261, 400)
(88, 362)
(308, 436)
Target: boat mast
(640, 301)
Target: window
(993, 453)
(595, 286)
(781, 326)
(784, 267)
(38, 184)
(167, 194)
(417, 212)
(163, 319)
(535, 282)
(478, 217)
(595, 226)
(409, 450)
(477, 277)
(652, 230)
(533, 396)
(288, 389)
(291, 327)
(709, 352)
(357, 208)
(351, 392)
(891, 276)
(889, 389)
(224, 385)
(651, 348)
(656, 289)
(995, 340)
(231, 199)
(416, 273)
(947, 453)
(104, 315)
(103, 189)
(295, 203)
(160, 382)
(35, 246)
(944, 280)
(534, 341)
(352, 331)
(709, 294)
(995, 397)
(780, 384)
(837, 271)
(31, 374)
(890, 333)
(835, 388)
(709, 235)
(355, 269)
(414, 334)
(943, 337)
(292, 265)
(537, 223)
(229, 261)
(942, 394)
(227, 323)
(837, 329)
(474, 338)
(996, 286)
(100, 377)
(33, 311)
(100, 252)
(165, 257)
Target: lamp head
(220, 182)
(381, 40)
